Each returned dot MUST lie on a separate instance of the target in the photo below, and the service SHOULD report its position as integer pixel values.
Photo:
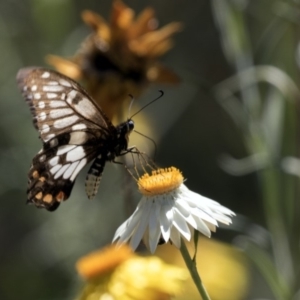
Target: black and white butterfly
(74, 131)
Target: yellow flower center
(161, 181)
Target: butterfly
(74, 131)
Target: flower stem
(191, 265)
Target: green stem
(193, 271)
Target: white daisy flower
(168, 209)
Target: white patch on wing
(78, 137)
(71, 169)
(79, 126)
(57, 103)
(52, 82)
(42, 116)
(51, 95)
(82, 163)
(55, 169)
(53, 88)
(42, 158)
(45, 128)
(65, 82)
(65, 148)
(45, 75)
(58, 113)
(41, 104)
(53, 161)
(86, 108)
(61, 171)
(49, 137)
(34, 88)
(37, 96)
(65, 122)
(75, 154)
(71, 96)
(53, 143)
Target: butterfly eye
(130, 125)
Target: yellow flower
(116, 273)
(147, 278)
(120, 57)
(168, 210)
(223, 269)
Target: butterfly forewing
(59, 104)
(74, 131)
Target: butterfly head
(125, 128)
(130, 125)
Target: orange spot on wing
(60, 196)
(39, 195)
(35, 174)
(48, 198)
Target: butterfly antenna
(161, 94)
(130, 105)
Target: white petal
(154, 228)
(191, 220)
(123, 229)
(201, 201)
(120, 230)
(127, 233)
(210, 207)
(175, 237)
(183, 207)
(140, 229)
(221, 209)
(180, 223)
(210, 226)
(221, 218)
(166, 219)
(202, 227)
(204, 216)
(126, 230)
(169, 211)
(183, 188)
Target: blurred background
(230, 125)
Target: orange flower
(117, 273)
(102, 262)
(120, 57)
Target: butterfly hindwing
(54, 170)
